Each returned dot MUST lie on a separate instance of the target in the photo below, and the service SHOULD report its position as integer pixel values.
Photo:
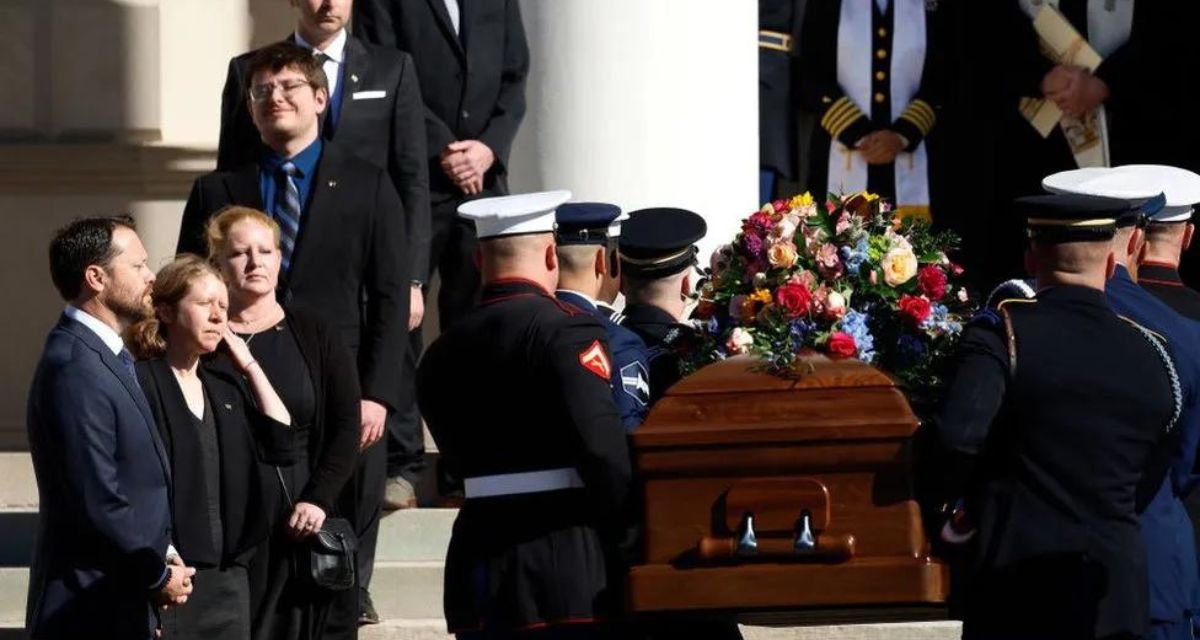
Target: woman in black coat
(318, 381)
(220, 419)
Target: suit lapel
(358, 70)
(316, 217)
(130, 383)
(443, 16)
(243, 187)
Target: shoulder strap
(283, 485)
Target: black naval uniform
(1164, 282)
(517, 386)
(837, 117)
(1052, 436)
(664, 337)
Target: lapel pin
(353, 78)
(228, 407)
(332, 183)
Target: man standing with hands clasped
(104, 562)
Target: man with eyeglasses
(344, 249)
(375, 111)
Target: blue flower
(854, 257)
(940, 322)
(798, 331)
(855, 324)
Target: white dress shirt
(335, 57)
(111, 338)
(453, 9)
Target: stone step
(19, 488)
(411, 535)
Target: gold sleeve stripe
(832, 113)
(841, 115)
(844, 123)
(921, 115)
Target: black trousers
(452, 255)
(361, 502)
(404, 436)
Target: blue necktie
(126, 359)
(287, 210)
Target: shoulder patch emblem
(594, 359)
(635, 382)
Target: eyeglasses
(263, 92)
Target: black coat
(473, 85)
(537, 558)
(1053, 441)
(388, 131)
(665, 339)
(333, 436)
(247, 440)
(348, 267)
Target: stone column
(644, 103)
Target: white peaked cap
(1103, 182)
(1180, 186)
(514, 215)
(1067, 182)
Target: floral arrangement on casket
(852, 278)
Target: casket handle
(804, 545)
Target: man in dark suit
(1055, 441)
(472, 60)
(103, 562)
(375, 111)
(343, 242)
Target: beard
(131, 308)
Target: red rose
(842, 345)
(794, 299)
(932, 282)
(915, 308)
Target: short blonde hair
(216, 233)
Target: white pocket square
(368, 95)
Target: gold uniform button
(826, 99)
(882, 32)
(879, 97)
(881, 54)
(879, 75)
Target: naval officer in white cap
(517, 395)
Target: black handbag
(328, 559)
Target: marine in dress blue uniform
(1166, 527)
(592, 225)
(1053, 441)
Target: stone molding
(130, 170)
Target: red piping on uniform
(1156, 263)
(1167, 283)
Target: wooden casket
(783, 501)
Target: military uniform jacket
(522, 384)
(1168, 531)
(1060, 433)
(839, 118)
(664, 338)
(1163, 281)
(631, 369)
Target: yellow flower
(782, 255)
(916, 212)
(899, 266)
(803, 200)
(761, 295)
(870, 197)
